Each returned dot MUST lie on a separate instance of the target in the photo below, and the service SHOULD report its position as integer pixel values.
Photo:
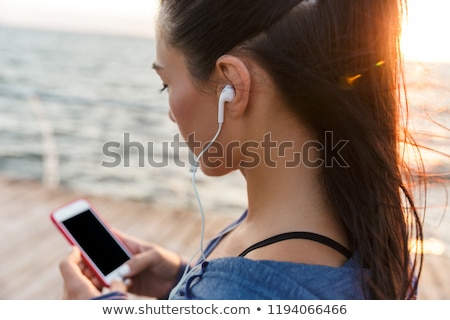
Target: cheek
(181, 111)
(193, 115)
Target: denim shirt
(239, 278)
(244, 279)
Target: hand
(153, 270)
(79, 281)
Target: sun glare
(425, 35)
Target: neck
(286, 195)
(294, 197)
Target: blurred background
(76, 75)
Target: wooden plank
(31, 248)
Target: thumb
(138, 263)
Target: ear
(232, 70)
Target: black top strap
(300, 235)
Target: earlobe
(233, 71)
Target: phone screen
(96, 241)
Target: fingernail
(124, 270)
(127, 282)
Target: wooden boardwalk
(31, 248)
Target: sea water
(67, 100)
(71, 94)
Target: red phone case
(67, 237)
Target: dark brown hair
(337, 64)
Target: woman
(314, 121)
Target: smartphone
(82, 226)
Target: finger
(75, 255)
(73, 267)
(69, 266)
(140, 262)
(134, 244)
(94, 279)
(118, 285)
(85, 269)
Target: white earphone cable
(193, 169)
(227, 95)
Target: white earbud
(227, 95)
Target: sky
(425, 38)
(124, 17)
